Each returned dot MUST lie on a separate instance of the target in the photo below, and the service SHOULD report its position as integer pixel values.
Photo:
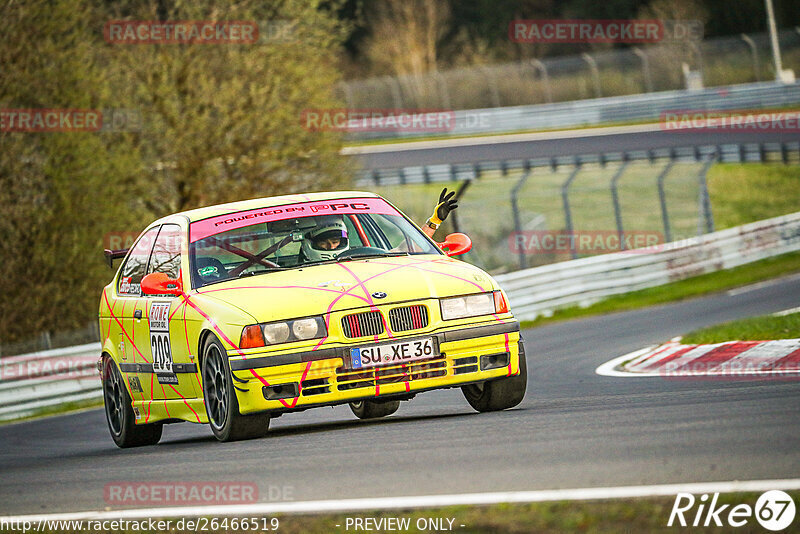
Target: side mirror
(455, 244)
(160, 284)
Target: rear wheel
(499, 394)
(222, 407)
(119, 412)
(367, 409)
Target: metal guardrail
(447, 172)
(36, 381)
(542, 290)
(31, 382)
(597, 111)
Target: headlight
(470, 306)
(306, 328)
(276, 332)
(285, 331)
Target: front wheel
(119, 412)
(499, 394)
(222, 407)
(367, 409)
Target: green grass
(767, 327)
(603, 516)
(740, 193)
(691, 287)
(743, 193)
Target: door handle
(137, 314)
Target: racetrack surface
(574, 429)
(587, 144)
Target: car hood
(318, 289)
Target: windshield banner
(231, 221)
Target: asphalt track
(553, 147)
(573, 429)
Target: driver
(327, 240)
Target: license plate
(392, 353)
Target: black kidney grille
(408, 318)
(363, 324)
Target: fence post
(491, 81)
(754, 52)
(595, 73)
(459, 193)
(700, 67)
(523, 263)
(567, 213)
(615, 200)
(394, 87)
(443, 94)
(548, 92)
(705, 201)
(348, 94)
(648, 80)
(46, 340)
(662, 198)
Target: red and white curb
(732, 359)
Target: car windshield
(257, 241)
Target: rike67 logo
(774, 510)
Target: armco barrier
(541, 290)
(597, 111)
(31, 382)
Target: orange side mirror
(455, 244)
(161, 284)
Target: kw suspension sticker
(135, 384)
(159, 343)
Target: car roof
(266, 202)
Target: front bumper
(296, 381)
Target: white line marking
(609, 368)
(421, 501)
(760, 285)
(499, 139)
(784, 313)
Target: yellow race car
(233, 314)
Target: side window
(133, 269)
(166, 257)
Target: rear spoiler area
(112, 255)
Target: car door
(168, 349)
(129, 308)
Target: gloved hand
(446, 204)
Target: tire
(119, 412)
(500, 394)
(222, 407)
(367, 409)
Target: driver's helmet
(321, 243)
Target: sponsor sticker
(160, 343)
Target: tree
(221, 122)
